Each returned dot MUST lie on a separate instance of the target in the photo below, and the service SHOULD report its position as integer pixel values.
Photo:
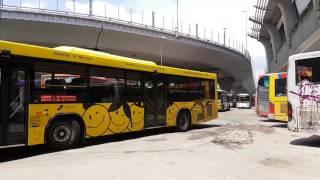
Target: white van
(304, 91)
(243, 101)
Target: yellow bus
(62, 96)
(272, 99)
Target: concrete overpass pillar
(275, 39)
(290, 18)
(269, 52)
(316, 5)
(226, 83)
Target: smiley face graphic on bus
(97, 120)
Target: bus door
(278, 97)
(13, 104)
(155, 100)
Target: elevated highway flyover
(55, 28)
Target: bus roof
(280, 74)
(85, 56)
(308, 55)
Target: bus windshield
(243, 99)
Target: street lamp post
(141, 17)
(177, 16)
(246, 13)
(118, 11)
(224, 36)
(161, 57)
(74, 6)
(90, 7)
(105, 8)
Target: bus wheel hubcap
(61, 134)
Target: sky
(212, 16)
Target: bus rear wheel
(63, 134)
(183, 121)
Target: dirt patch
(276, 162)
(234, 139)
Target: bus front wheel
(183, 121)
(63, 134)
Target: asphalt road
(239, 145)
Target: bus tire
(183, 121)
(63, 134)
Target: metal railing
(222, 41)
(257, 19)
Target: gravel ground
(239, 145)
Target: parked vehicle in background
(272, 100)
(223, 104)
(230, 99)
(304, 91)
(243, 101)
(253, 99)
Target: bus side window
(133, 89)
(51, 84)
(281, 87)
(185, 89)
(308, 69)
(106, 85)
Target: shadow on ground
(205, 126)
(16, 153)
(270, 121)
(282, 125)
(312, 141)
